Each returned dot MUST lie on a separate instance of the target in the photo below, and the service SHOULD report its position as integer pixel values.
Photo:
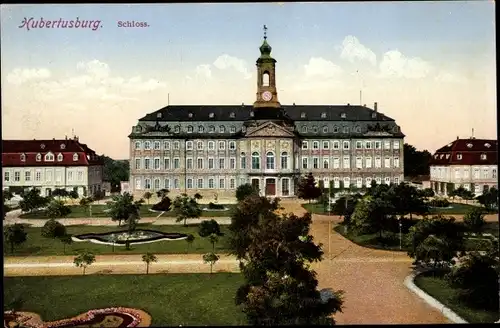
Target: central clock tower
(267, 95)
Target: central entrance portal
(270, 187)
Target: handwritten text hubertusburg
(32, 23)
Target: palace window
(232, 163)
(49, 157)
(285, 187)
(177, 145)
(156, 184)
(199, 145)
(222, 145)
(189, 164)
(315, 144)
(137, 145)
(232, 129)
(302, 115)
(222, 183)
(359, 163)
(27, 176)
(147, 145)
(211, 183)
(265, 79)
(232, 115)
(255, 161)
(304, 129)
(211, 115)
(166, 163)
(304, 162)
(368, 162)
(189, 145)
(243, 161)
(326, 145)
(211, 145)
(156, 163)
(23, 158)
(176, 184)
(232, 183)
(368, 145)
(190, 129)
(177, 163)
(222, 163)
(335, 129)
(315, 129)
(200, 183)
(323, 115)
(336, 145)
(345, 144)
(59, 157)
(326, 163)
(6, 176)
(189, 183)
(211, 163)
(147, 183)
(201, 129)
(222, 129)
(284, 160)
(315, 163)
(156, 145)
(359, 145)
(270, 161)
(345, 129)
(147, 163)
(211, 129)
(347, 162)
(325, 129)
(166, 145)
(199, 163)
(137, 163)
(177, 129)
(304, 144)
(232, 145)
(483, 157)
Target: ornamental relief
(285, 145)
(270, 145)
(243, 146)
(255, 145)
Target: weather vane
(265, 32)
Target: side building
(51, 164)
(468, 163)
(211, 149)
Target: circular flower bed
(120, 238)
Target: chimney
(375, 106)
(294, 104)
(458, 138)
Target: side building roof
(467, 152)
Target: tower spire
(265, 32)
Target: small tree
(66, 240)
(164, 205)
(186, 207)
(244, 191)
(86, 202)
(162, 193)
(73, 194)
(122, 206)
(489, 199)
(15, 235)
(147, 196)
(60, 193)
(83, 260)
(53, 229)
(148, 258)
(57, 209)
(428, 193)
(98, 195)
(474, 219)
(213, 239)
(189, 240)
(210, 258)
(206, 228)
(307, 188)
(32, 200)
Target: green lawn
(390, 241)
(37, 245)
(440, 290)
(315, 208)
(170, 299)
(98, 211)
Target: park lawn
(438, 288)
(98, 211)
(457, 208)
(36, 245)
(316, 208)
(171, 299)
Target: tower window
(323, 115)
(343, 115)
(265, 79)
(211, 115)
(232, 115)
(302, 115)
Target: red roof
(467, 152)
(25, 153)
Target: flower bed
(119, 238)
(130, 318)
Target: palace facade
(211, 150)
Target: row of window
(358, 182)
(28, 176)
(336, 129)
(270, 162)
(49, 157)
(189, 145)
(459, 156)
(175, 183)
(359, 144)
(477, 173)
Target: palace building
(51, 164)
(212, 149)
(469, 163)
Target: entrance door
(255, 184)
(271, 187)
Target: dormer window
(436, 156)
(302, 115)
(483, 157)
(38, 157)
(335, 129)
(315, 129)
(75, 157)
(222, 129)
(211, 115)
(63, 146)
(201, 129)
(232, 129)
(232, 115)
(358, 129)
(158, 115)
(252, 114)
(42, 146)
(59, 157)
(323, 115)
(325, 129)
(459, 156)
(190, 115)
(346, 129)
(190, 129)
(374, 115)
(447, 156)
(487, 145)
(304, 129)
(211, 129)
(49, 157)
(469, 145)
(395, 129)
(343, 115)
(441, 157)
(23, 158)
(177, 129)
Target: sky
(431, 66)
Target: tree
(83, 260)
(307, 188)
(99, 195)
(148, 258)
(489, 199)
(32, 200)
(450, 190)
(214, 238)
(210, 258)
(467, 195)
(371, 215)
(164, 205)
(121, 207)
(115, 171)
(56, 209)
(73, 194)
(477, 281)
(186, 207)
(147, 196)
(66, 240)
(60, 193)
(7, 195)
(416, 162)
(206, 228)
(189, 240)
(474, 219)
(53, 229)
(15, 235)
(162, 193)
(428, 193)
(244, 191)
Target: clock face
(266, 95)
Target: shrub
(439, 202)
(245, 190)
(213, 206)
(206, 228)
(163, 205)
(53, 229)
(474, 219)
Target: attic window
(323, 115)
(190, 115)
(42, 146)
(211, 115)
(325, 129)
(251, 114)
(158, 115)
(436, 156)
(232, 115)
(63, 146)
(343, 115)
(75, 157)
(459, 156)
(59, 157)
(335, 129)
(49, 157)
(177, 129)
(447, 156)
(440, 157)
(469, 145)
(374, 115)
(487, 145)
(23, 158)
(483, 157)
(302, 115)
(38, 157)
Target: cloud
(320, 67)
(94, 68)
(204, 70)
(22, 75)
(225, 62)
(448, 77)
(395, 64)
(353, 50)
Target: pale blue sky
(434, 61)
